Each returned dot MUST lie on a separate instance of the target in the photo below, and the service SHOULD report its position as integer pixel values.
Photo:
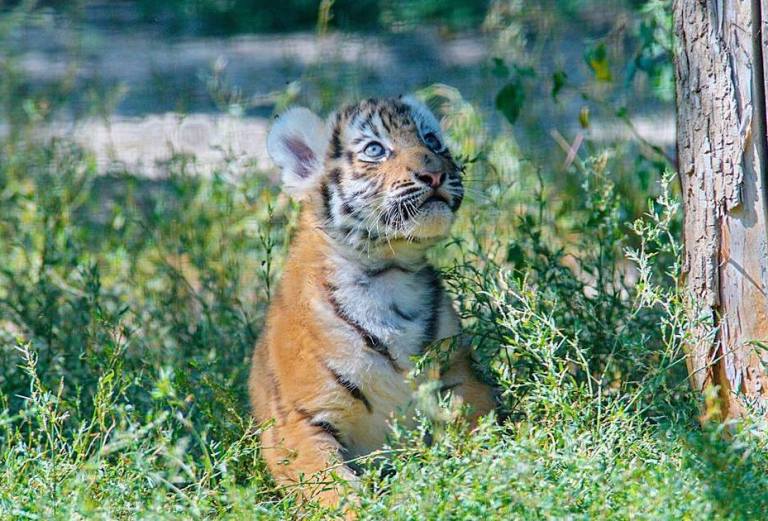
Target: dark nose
(431, 179)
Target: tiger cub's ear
(297, 143)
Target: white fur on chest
(394, 306)
(403, 311)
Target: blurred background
(135, 81)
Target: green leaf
(510, 100)
(584, 117)
(558, 82)
(516, 255)
(759, 344)
(525, 71)
(597, 59)
(500, 69)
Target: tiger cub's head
(378, 171)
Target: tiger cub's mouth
(436, 197)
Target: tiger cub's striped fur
(357, 299)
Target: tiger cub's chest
(382, 320)
(394, 313)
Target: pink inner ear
(302, 153)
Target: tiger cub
(357, 299)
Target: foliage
(129, 313)
(654, 53)
(235, 16)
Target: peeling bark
(721, 141)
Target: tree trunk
(722, 141)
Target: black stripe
(329, 429)
(456, 201)
(353, 237)
(274, 389)
(351, 111)
(409, 191)
(384, 123)
(436, 294)
(335, 175)
(406, 210)
(371, 341)
(448, 387)
(400, 313)
(346, 231)
(347, 209)
(354, 390)
(368, 123)
(357, 194)
(324, 426)
(326, 192)
(336, 141)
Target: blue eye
(374, 150)
(432, 141)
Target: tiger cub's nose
(431, 179)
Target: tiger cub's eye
(374, 150)
(432, 141)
